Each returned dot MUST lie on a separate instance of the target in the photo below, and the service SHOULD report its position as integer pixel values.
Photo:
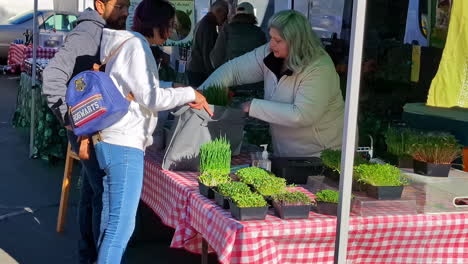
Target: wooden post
(62, 215)
(465, 159)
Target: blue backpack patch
(94, 103)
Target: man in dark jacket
(199, 66)
(79, 53)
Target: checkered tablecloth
(19, 52)
(418, 238)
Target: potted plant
(327, 202)
(383, 181)
(332, 162)
(225, 190)
(292, 205)
(399, 141)
(215, 156)
(211, 179)
(250, 206)
(217, 95)
(250, 174)
(268, 186)
(433, 154)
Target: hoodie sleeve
(140, 76)
(245, 69)
(59, 71)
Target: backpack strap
(97, 67)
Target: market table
(17, 53)
(50, 137)
(416, 238)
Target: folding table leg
(204, 257)
(65, 189)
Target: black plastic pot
(296, 169)
(248, 213)
(331, 174)
(221, 200)
(405, 162)
(292, 211)
(205, 190)
(385, 192)
(359, 186)
(431, 169)
(327, 208)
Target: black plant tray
(327, 208)
(431, 169)
(359, 186)
(331, 174)
(385, 192)
(296, 169)
(221, 200)
(292, 211)
(205, 190)
(248, 213)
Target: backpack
(94, 102)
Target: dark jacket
(237, 38)
(79, 53)
(204, 39)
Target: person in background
(303, 102)
(199, 66)
(120, 147)
(238, 37)
(79, 53)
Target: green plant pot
(248, 213)
(431, 169)
(385, 192)
(327, 208)
(292, 211)
(205, 190)
(221, 200)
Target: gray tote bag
(193, 127)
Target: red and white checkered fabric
(19, 52)
(402, 239)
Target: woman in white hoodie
(121, 147)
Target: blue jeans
(89, 205)
(122, 190)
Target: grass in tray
(215, 157)
(270, 185)
(292, 198)
(217, 95)
(232, 188)
(249, 200)
(328, 196)
(399, 140)
(379, 175)
(248, 175)
(214, 179)
(438, 148)
(332, 159)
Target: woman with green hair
(302, 101)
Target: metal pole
(349, 135)
(33, 82)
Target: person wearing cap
(240, 36)
(303, 103)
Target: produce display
(215, 157)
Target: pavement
(29, 199)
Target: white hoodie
(133, 69)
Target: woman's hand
(200, 102)
(246, 106)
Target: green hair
(304, 46)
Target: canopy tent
(351, 110)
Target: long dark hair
(151, 14)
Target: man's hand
(200, 102)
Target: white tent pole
(33, 81)
(349, 135)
